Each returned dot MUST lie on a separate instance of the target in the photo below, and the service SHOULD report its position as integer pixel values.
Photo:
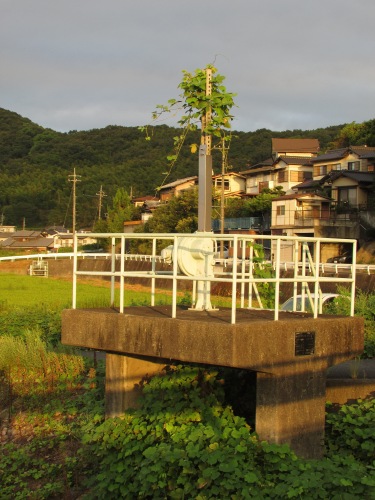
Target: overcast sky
(83, 64)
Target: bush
(185, 443)
(364, 307)
(351, 431)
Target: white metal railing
(227, 261)
(248, 271)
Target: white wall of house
(232, 183)
(256, 182)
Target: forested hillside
(35, 164)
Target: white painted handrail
(239, 269)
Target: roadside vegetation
(193, 437)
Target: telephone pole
(74, 178)
(101, 195)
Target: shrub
(185, 443)
(351, 430)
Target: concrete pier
(291, 357)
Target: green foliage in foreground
(364, 307)
(186, 443)
(49, 398)
(351, 430)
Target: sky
(84, 64)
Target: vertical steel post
(204, 190)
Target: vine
(209, 110)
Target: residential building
(234, 184)
(307, 148)
(289, 165)
(345, 177)
(177, 187)
(352, 159)
(298, 215)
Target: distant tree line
(35, 164)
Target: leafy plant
(205, 103)
(186, 443)
(351, 430)
(365, 307)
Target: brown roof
(295, 146)
(337, 154)
(300, 195)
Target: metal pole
(204, 190)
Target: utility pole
(205, 167)
(222, 197)
(74, 178)
(101, 195)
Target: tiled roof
(336, 154)
(309, 183)
(34, 243)
(308, 196)
(178, 182)
(360, 177)
(228, 174)
(266, 164)
(295, 160)
(295, 145)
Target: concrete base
(122, 381)
(291, 357)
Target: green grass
(20, 291)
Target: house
(7, 229)
(33, 241)
(298, 215)
(307, 148)
(352, 159)
(346, 176)
(234, 184)
(289, 165)
(147, 204)
(177, 187)
(148, 201)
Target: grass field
(25, 291)
(18, 291)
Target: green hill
(35, 164)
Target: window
(280, 210)
(353, 165)
(263, 185)
(300, 176)
(336, 166)
(320, 170)
(282, 176)
(226, 184)
(347, 196)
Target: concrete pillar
(291, 409)
(123, 376)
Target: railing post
(75, 257)
(122, 276)
(113, 269)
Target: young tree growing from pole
(204, 103)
